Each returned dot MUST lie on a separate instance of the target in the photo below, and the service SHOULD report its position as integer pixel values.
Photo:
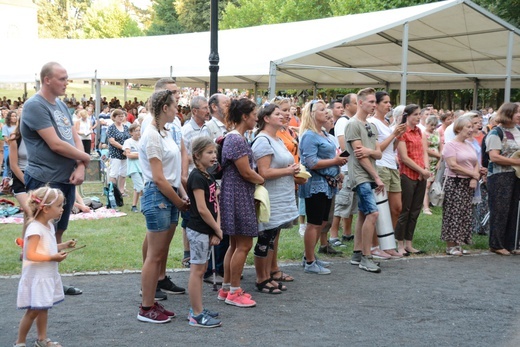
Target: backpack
(484, 154)
(114, 196)
(218, 169)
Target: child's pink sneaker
(239, 299)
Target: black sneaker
(347, 238)
(328, 249)
(159, 294)
(169, 287)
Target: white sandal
(453, 251)
(46, 343)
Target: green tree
(246, 13)
(60, 18)
(109, 21)
(194, 15)
(165, 20)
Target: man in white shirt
(449, 134)
(345, 205)
(425, 113)
(215, 127)
(190, 131)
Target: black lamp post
(213, 55)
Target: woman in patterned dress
(117, 133)
(434, 155)
(238, 215)
(462, 174)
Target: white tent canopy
(450, 45)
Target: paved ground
(469, 301)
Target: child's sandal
(46, 343)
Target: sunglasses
(369, 130)
(312, 104)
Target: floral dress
(237, 201)
(433, 144)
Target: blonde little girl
(40, 286)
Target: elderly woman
(462, 175)
(117, 133)
(413, 167)
(503, 185)
(318, 154)
(277, 166)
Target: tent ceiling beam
(246, 79)
(342, 63)
(292, 74)
(396, 72)
(422, 54)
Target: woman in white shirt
(160, 160)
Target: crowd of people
(330, 162)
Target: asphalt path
(418, 301)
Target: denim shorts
(366, 198)
(200, 249)
(160, 213)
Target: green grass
(78, 89)
(115, 243)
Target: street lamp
(213, 55)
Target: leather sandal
(263, 287)
(501, 251)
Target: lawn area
(115, 243)
(78, 89)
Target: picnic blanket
(100, 213)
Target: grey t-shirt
(44, 164)
(356, 130)
(281, 190)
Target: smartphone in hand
(344, 154)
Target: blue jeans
(366, 198)
(160, 213)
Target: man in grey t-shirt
(54, 148)
(361, 141)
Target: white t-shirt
(339, 130)
(384, 131)
(153, 145)
(449, 135)
(147, 119)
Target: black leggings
(265, 242)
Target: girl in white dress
(40, 286)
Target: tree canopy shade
(451, 45)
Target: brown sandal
(282, 278)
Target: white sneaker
(314, 268)
(302, 229)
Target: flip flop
(70, 290)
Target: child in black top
(203, 229)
